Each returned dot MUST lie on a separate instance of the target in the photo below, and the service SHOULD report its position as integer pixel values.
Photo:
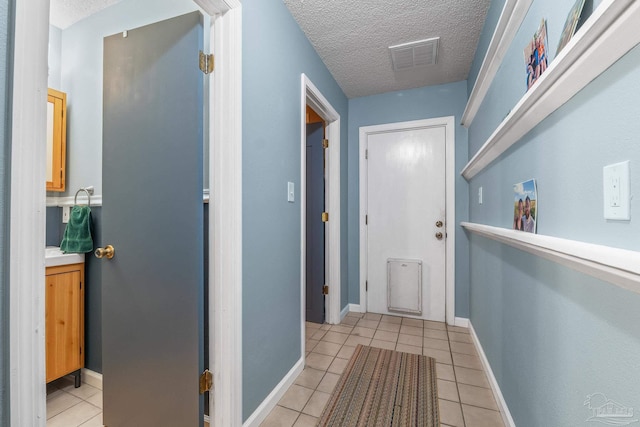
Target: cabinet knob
(108, 251)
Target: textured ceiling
(65, 13)
(352, 38)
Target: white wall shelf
(618, 266)
(510, 20)
(610, 32)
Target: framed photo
(570, 24)
(536, 55)
(525, 207)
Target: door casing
(449, 124)
(27, 391)
(310, 95)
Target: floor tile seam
(480, 407)
(71, 407)
(464, 422)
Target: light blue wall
(493, 15)
(553, 336)
(6, 64)
(274, 53)
(414, 104)
(81, 79)
(55, 57)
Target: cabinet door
(63, 322)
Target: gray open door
(153, 216)
(315, 237)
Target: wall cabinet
(56, 140)
(64, 321)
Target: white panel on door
(404, 286)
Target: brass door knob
(439, 224)
(439, 235)
(108, 251)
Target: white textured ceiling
(65, 13)
(352, 38)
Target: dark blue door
(315, 274)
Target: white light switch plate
(290, 192)
(65, 214)
(480, 195)
(616, 191)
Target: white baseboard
(92, 378)
(276, 394)
(356, 308)
(502, 404)
(461, 321)
(344, 312)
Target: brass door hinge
(206, 381)
(325, 290)
(206, 62)
(325, 216)
(366, 285)
(325, 143)
(366, 154)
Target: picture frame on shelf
(525, 207)
(571, 24)
(536, 54)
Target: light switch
(616, 191)
(65, 214)
(480, 195)
(290, 192)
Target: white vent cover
(414, 54)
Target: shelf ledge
(610, 32)
(510, 20)
(620, 267)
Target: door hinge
(325, 143)
(80, 285)
(325, 216)
(325, 290)
(366, 154)
(206, 62)
(366, 286)
(206, 381)
(366, 220)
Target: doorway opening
(327, 127)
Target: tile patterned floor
(68, 406)
(464, 395)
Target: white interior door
(405, 211)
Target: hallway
(465, 397)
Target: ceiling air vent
(414, 54)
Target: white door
(405, 212)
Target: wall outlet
(66, 211)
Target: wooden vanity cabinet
(64, 321)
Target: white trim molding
(355, 308)
(620, 267)
(511, 17)
(274, 397)
(495, 387)
(610, 32)
(57, 201)
(27, 389)
(461, 322)
(93, 378)
(449, 124)
(225, 218)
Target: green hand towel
(77, 236)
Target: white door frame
(310, 95)
(449, 124)
(27, 391)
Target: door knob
(438, 224)
(439, 235)
(108, 251)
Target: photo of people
(570, 24)
(525, 208)
(536, 55)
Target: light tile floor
(68, 406)
(464, 395)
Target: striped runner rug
(384, 388)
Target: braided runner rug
(384, 388)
